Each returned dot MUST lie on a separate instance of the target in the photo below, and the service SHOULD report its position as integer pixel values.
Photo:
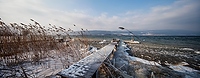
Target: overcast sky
(105, 14)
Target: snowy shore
(127, 65)
(184, 62)
(134, 60)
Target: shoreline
(162, 54)
(165, 55)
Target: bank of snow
(180, 69)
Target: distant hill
(147, 33)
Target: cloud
(181, 15)
(23, 10)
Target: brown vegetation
(22, 43)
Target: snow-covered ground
(87, 66)
(46, 67)
(130, 65)
(56, 61)
(145, 68)
(189, 72)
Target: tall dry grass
(21, 43)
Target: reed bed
(30, 43)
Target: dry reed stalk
(20, 43)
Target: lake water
(190, 42)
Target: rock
(141, 73)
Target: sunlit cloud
(180, 15)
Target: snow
(187, 72)
(56, 62)
(89, 64)
(143, 61)
(92, 49)
(188, 49)
(181, 68)
(75, 70)
(136, 58)
(52, 66)
(133, 42)
(198, 52)
(102, 42)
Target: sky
(105, 14)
